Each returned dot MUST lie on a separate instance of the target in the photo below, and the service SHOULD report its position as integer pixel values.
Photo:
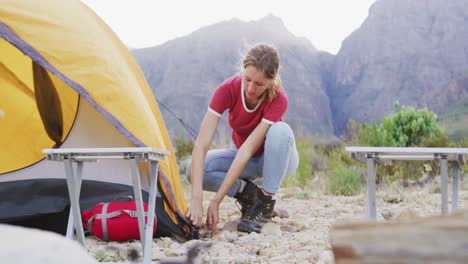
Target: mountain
(413, 52)
(451, 102)
(184, 72)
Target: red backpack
(115, 221)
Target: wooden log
(440, 239)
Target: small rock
(280, 259)
(230, 236)
(266, 252)
(218, 260)
(296, 224)
(166, 242)
(280, 209)
(158, 255)
(303, 255)
(272, 229)
(222, 246)
(227, 236)
(249, 237)
(175, 252)
(175, 245)
(288, 229)
(175, 259)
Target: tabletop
(140, 153)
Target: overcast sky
(145, 23)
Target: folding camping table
(81, 155)
(384, 155)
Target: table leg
(138, 200)
(444, 184)
(147, 251)
(370, 201)
(455, 186)
(70, 229)
(74, 200)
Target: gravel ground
(303, 237)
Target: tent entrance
(37, 109)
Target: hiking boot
(247, 198)
(259, 214)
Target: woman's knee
(280, 132)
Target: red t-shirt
(230, 95)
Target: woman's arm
(245, 152)
(202, 143)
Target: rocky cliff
(405, 50)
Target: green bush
(407, 127)
(183, 147)
(344, 178)
(183, 151)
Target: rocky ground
(303, 237)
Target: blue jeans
(278, 160)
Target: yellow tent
(66, 80)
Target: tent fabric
(20, 121)
(55, 52)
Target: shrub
(344, 178)
(183, 151)
(183, 147)
(409, 127)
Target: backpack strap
(130, 213)
(105, 235)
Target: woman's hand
(195, 212)
(213, 215)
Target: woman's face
(255, 83)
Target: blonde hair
(266, 59)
